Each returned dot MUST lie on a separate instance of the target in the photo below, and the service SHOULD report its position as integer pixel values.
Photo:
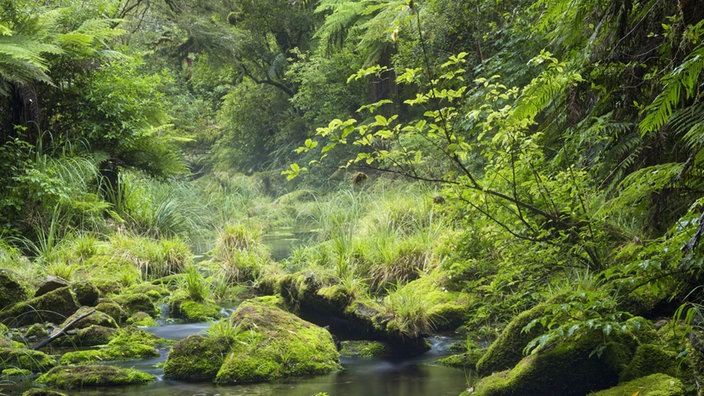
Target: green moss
(652, 385)
(127, 343)
(53, 306)
(12, 289)
(274, 300)
(42, 392)
(113, 309)
(86, 293)
(274, 343)
(569, 368)
(196, 358)
(142, 319)
(507, 350)
(23, 358)
(651, 359)
(16, 372)
(367, 349)
(89, 336)
(94, 318)
(136, 302)
(70, 377)
(199, 311)
(82, 357)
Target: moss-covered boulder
(273, 343)
(568, 368)
(126, 343)
(86, 293)
(42, 392)
(87, 337)
(142, 319)
(652, 385)
(507, 350)
(12, 289)
(50, 283)
(53, 306)
(196, 358)
(89, 317)
(137, 302)
(27, 359)
(72, 377)
(113, 309)
(651, 359)
(182, 306)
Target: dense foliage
(518, 150)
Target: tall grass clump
(153, 258)
(410, 311)
(239, 253)
(159, 208)
(195, 284)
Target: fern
(683, 79)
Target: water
(361, 376)
(283, 240)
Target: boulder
(12, 289)
(652, 385)
(86, 293)
(27, 359)
(265, 343)
(78, 377)
(196, 358)
(273, 343)
(54, 307)
(49, 284)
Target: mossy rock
(193, 311)
(42, 392)
(695, 353)
(93, 318)
(273, 343)
(196, 358)
(28, 359)
(53, 306)
(142, 319)
(650, 359)
(136, 302)
(113, 309)
(507, 349)
(12, 289)
(364, 349)
(652, 385)
(72, 377)
(569, 368)
(126, 343)
(86, 293)
(16, 372)
(89, 336)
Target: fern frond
(684, 77)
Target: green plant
(410, 312)
(195, 284)
(225, 328)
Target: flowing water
(361, 376)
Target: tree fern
(680, 84)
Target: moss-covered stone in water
(274, 343)
(367, 349)
(70, 377)
(127, 343)
(652, 385)
(42, 392)
(195, 311)
(82, 357)
(134, 302)
(23, 358)
(12, 289)
(93, 318)
(196, 358)
(142, 319)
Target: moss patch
(365, 349)
(273, 343)
(53, 306)
(652, 385)
(70, 377)
(22, 358)
(196, 358)
(12, 289)
(650, 359)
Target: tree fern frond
(683, 77)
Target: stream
(361, 376)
